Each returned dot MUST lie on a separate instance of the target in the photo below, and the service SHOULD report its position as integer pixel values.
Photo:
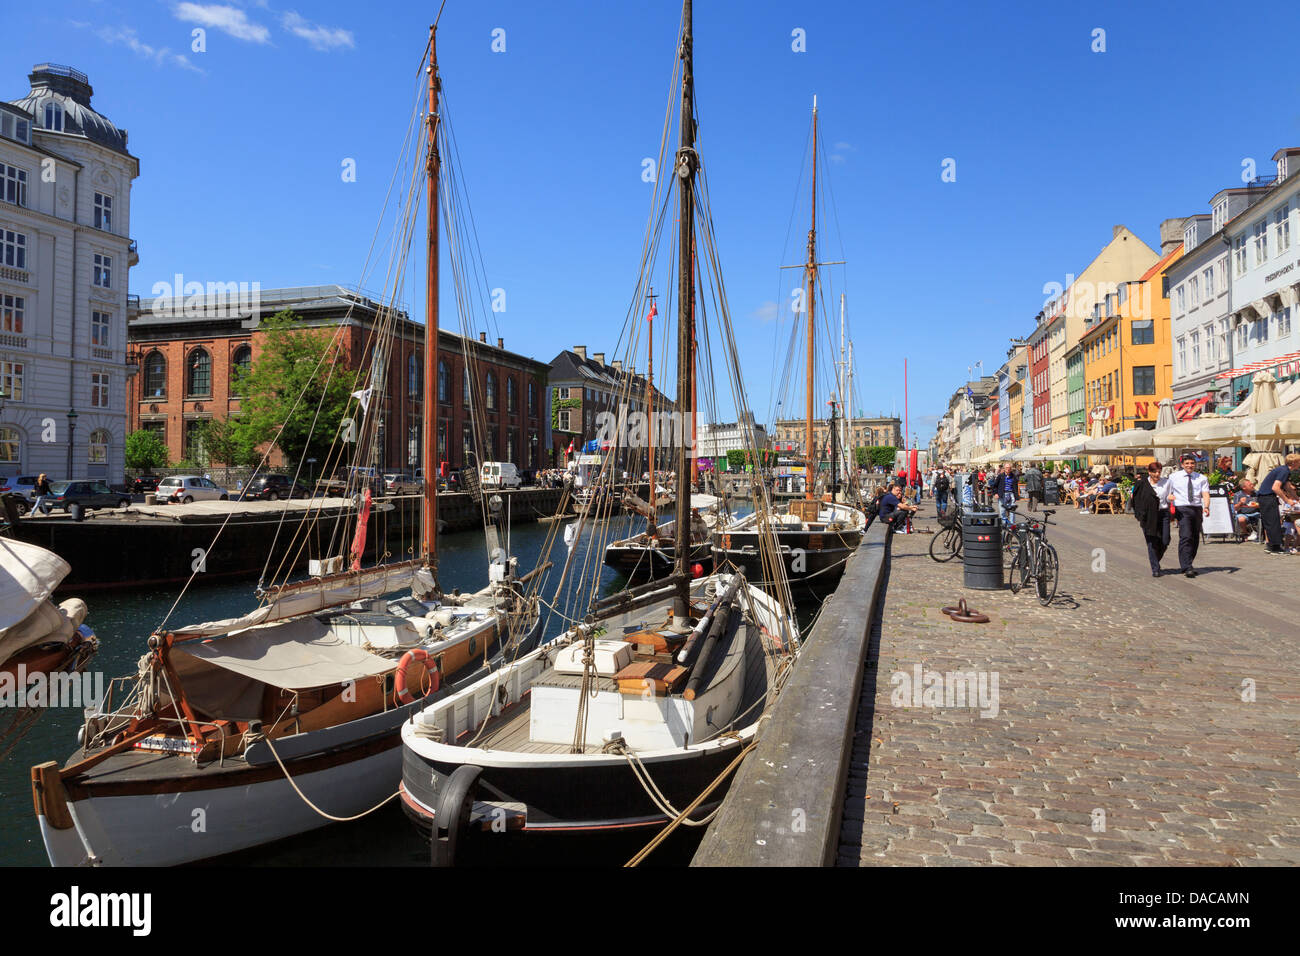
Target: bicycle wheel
(1045, 573)
(1019, 576)
(946, 545)
(1010, 545)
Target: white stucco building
(65, 248)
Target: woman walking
(1149, 509)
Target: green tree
(222, 440)
(298, 372)
(876, 456)
(144, 449)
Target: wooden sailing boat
(285, 719)
(817, 534)
(625, 719)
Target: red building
(185, 350)
(1040, 377)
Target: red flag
(653, 312)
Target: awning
(1191, 408)
(291, 655)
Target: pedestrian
(1148, 507)
(1188, 494)
(1008, 490)
(42, 490)
(1272, 491)
(1034, 486)
(941, 486)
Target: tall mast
(430, 438)
(811, 475)
(686, 163)
(650, 410)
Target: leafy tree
(221, 440)
(299, 371)
(144, 449)
(876, 456)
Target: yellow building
(1128, 359)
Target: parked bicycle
(946, 543)
(1035, 559)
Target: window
(442, 441)
(512, 399)
(1261, 329)
(98, 447)
(1220, 215)
(99, 388)
(54, 117)
(13, 249)
(10, 446)
(242, 361)
(510, 445)
(1282, 226)
(412, 376)
(1210, 346)
(532, 402)
(1182, 356)
(1221, 268)
(1284, 322)
(198, 378)
(1208, 277)
(444, 391)
(11, 380)
(1261, 242)
(1239, 256)
(99, 328)
(12, 308)
(1194, 288)
(1242, 333)
(464, 382)
(467, 445)
(155, 375)
(562, 420)
(103, 212)
(13, 184)
(491, 393)
(1143, 332)
(157, 428)
(1180, 298)
(103, 271)
(1196, 351)
(194, 440)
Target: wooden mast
(686, 163)
(430, 438)
(650, 411)
(811, 460)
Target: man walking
(42, 490)
(941, 486)
(1034, 485)
(1008, 490)
(1189, 494)
(1150, 511)
(1272, 491)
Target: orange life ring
(400, 690)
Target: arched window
(155, 375)
(491, 399)
(11, 446)
(54, 117)
(532, 398)
(512, 396)
(444, 383)
(98, 454)
(412, 376)
(464, 383)
(241, 363)
(198, 374)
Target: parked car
(76, 497)
(349, 481)
(273, 488)
(22, 485)
(144, 483)
(182, 489)
(401, 483)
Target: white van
(499, 474)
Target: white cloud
(159, 55)
(230, 20)
(766, 312)
(840, 152)
(321, 38)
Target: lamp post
(72, 435)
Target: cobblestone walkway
(1121, 735)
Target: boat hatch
(611, 657)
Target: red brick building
(185, 350)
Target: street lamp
(72, 434)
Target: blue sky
(241, 148)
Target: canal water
(123, 620)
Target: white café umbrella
(1266, 453)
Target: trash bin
(1051, 491)
(981, 548)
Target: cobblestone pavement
(1121, 735)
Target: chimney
(582, 351)
(599, 357)
(618, 365)
(501, 343)
(482, 337)
(1171, 234)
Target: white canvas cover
(28, 576)
(292, 655)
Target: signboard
(1220, 517)
(1101, 413)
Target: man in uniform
(1188, 494)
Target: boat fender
(400, 690)
(451, 818)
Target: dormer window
(1189, 238)
(54, 117)
(1281, 167)
(1220, 214)
(11, 127)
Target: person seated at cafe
(1227, 475)
(1246, 507)
(895, 510)
(1104, 488)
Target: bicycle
(1035, 559)
(946, 543)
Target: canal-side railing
(785, 806)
